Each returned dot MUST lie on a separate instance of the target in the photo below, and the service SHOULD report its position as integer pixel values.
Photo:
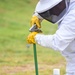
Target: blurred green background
(16, 56)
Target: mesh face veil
(54, 14)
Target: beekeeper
(61, 12)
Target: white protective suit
(64, 38)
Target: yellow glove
(31, 38)
(36, 20)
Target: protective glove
(36, 20)
(31, 38)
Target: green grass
(15, 57)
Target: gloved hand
(31, 38)
(36, 20)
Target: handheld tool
(32, 29)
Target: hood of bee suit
(52, 10)
(44, 5)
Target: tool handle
(35, 59)
(32, 29)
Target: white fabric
(64, 39)
(44, 5)
(43, 41)
(55, 19)
(67, 26)
(69, 54)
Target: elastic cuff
(36, 14)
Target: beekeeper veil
(51, 10)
